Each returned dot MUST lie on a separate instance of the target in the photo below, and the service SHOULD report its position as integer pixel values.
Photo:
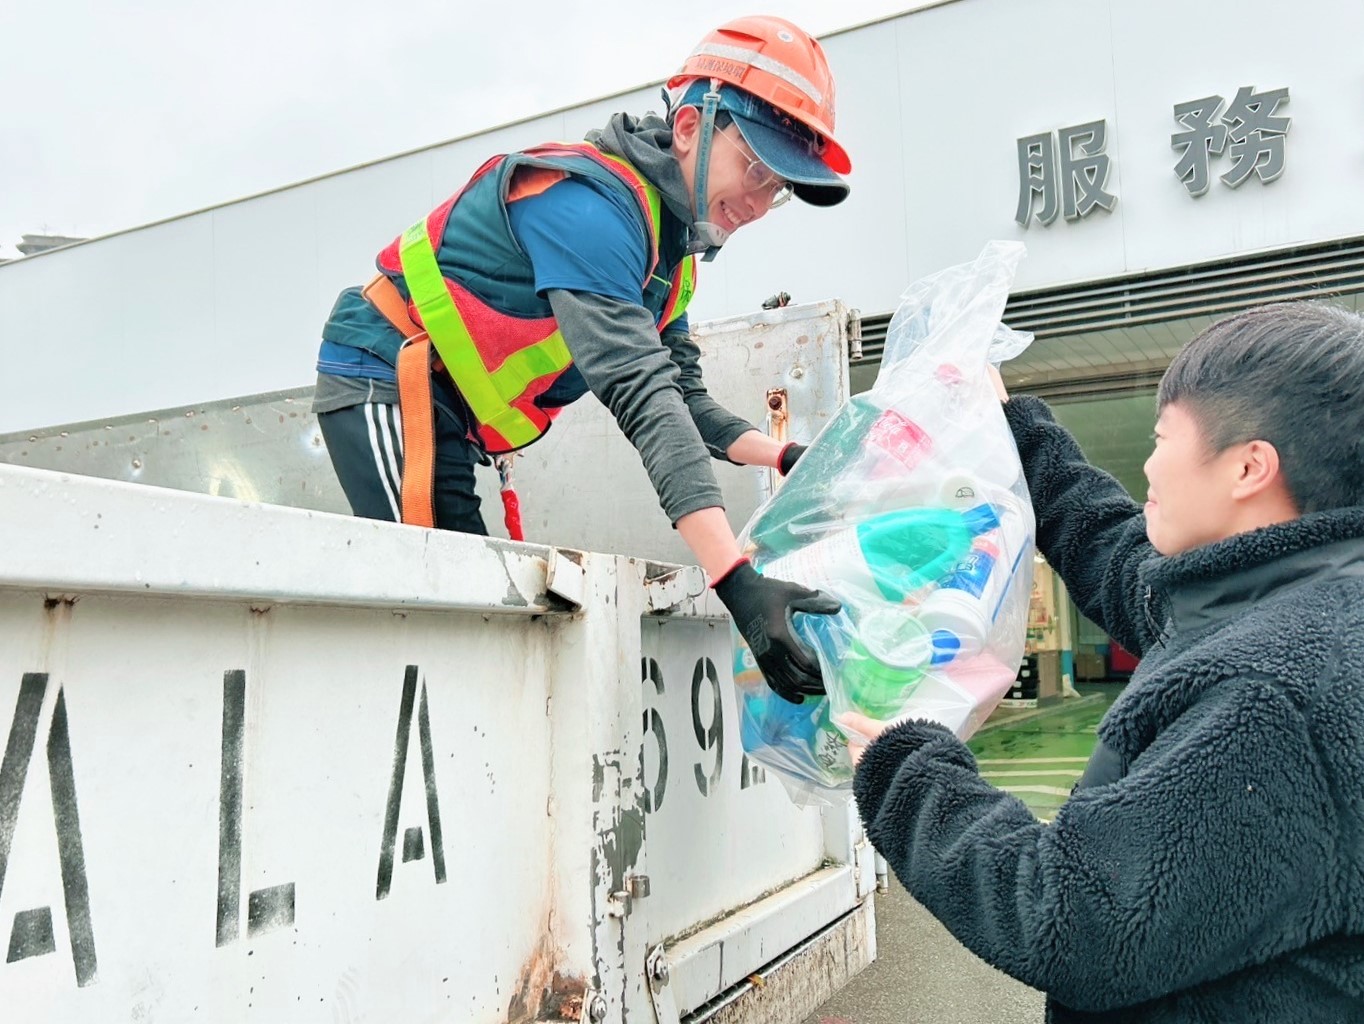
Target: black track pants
(365, 443)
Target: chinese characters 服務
(1065, 172)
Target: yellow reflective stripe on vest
(531, 363)
(443, 322)
(448, 333)
(651, 197)
(684, 288)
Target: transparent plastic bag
(910, 508)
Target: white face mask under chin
(707, 237)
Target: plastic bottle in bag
(960, 611)
(875, 662)
(894, 445)
(885, 661)
(894, 554)
(800, 735)
(812, 498)
(956, 448)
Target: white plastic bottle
(960, 612)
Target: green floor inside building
(1038, 753)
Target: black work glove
(786, 461)
(762, 610)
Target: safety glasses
(759, 177)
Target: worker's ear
(686, 127)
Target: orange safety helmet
(778, 62)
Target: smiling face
(1190, 492)
(1196, 496)
(732, 200)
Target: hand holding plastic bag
(762, 608)
(910, 509)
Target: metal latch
(778, 427)
(565, 578)
(854, 335)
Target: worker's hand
(998, 382)
(786, 461)
(762, 610)
(861, 730)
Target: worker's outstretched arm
(616, 348)
(725, 435)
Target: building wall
(228, 301)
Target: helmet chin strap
(709, 236)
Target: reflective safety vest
(501, 362)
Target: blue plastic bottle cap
(982, 518)
(946, 646)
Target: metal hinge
(854, 335)
(778, 413)
(657, 972)
(778, 427)
(619, 903)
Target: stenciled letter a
(31, 934)
(412, 837)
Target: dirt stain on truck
(543, 991)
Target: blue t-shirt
(579, 238)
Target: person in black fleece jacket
(1209, 865)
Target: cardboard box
(1090, 666)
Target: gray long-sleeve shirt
(653, 388)
(651, 385)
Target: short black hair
(1289, 373)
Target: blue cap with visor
(787, 147)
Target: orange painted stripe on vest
(532, 181)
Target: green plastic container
(885, 661)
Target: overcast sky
(115, 113)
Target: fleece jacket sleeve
(1177, 874)
(1088, 528)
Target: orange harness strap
(414, 400)
(419, 435)
(383, 295)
